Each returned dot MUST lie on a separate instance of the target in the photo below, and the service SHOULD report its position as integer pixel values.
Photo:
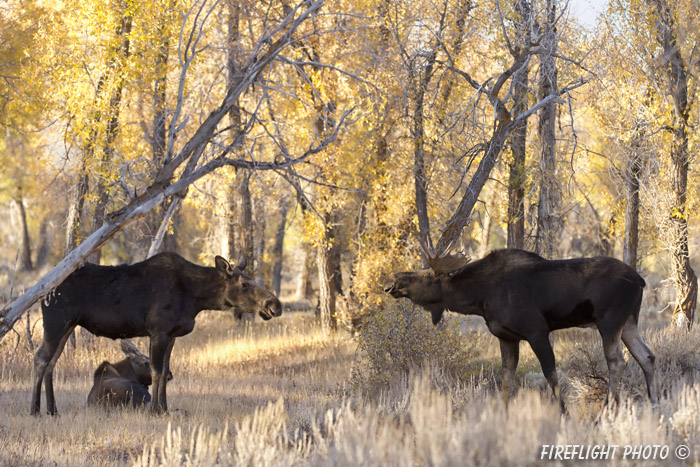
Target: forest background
(327, 139)
(355, 139)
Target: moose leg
(161, 346)
(44, 361)
(164, 376)
(544, 353)
(48, 377)
(41, 361)
(510, 353)
(641, 353)
(612, 346)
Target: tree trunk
(328, 262)
(157, 221)
(170, 240)
(685, 280)
(453, 230)
(163, 227)
(241, 222)
(518, 143)
(488, 222)
(121, 55)
(25, 252)
(241, 226)
(304, 284)
(327, 251)
(76, 208)
(259, 239)
(42, 255)
(418, 133)
(278, 248)
(548, 216)
(633, 172)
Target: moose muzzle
(272, 308)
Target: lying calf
(123, 383)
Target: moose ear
(223, 265)
(242, 262)
(129, 349)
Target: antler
(443, 262)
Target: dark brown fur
(522, 296)
(158, 298)
(119, 384)
(123, 383)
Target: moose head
(241, 294)
(427, 287)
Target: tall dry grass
(281, 393)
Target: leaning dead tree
(507, 115)
(203, 152)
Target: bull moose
(125, 382)
(523, 296)
(159, 298)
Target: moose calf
(123, 383)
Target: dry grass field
(283, 393)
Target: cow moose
(523, 296)
(125, 382)
(159, 298)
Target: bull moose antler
(444, 262)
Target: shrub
(400, 337)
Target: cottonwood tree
(633, 177)
(518, 138)
(662, 41)
(160, 39)
(241, 204)
(330, 184)
(677, 75)
(19, 112)
(201, 148)
(96, 132)
(548, 205)
(628, 137)
(497, 89)
(423, 34)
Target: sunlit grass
(279, 393)
(237, 348)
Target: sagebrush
(400, 337)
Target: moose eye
(245, 286)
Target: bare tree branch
(264, 52)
